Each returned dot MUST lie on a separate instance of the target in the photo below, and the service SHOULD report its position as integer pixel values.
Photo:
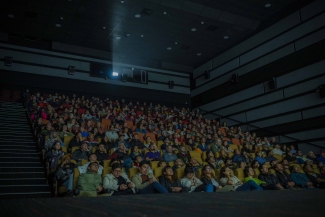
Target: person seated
(169, 181)
(293, 150)
(82, 153)
(169, 156)
(237, 157)
(54, 137)
(247, 157)
(163, 136)
(249, 173)
(147, 142)
(195, 165)
(111, 134)
(121, 139)
(65, 132)
(300, 179)
(322, 172)
(166, 143)
(141, 129)
(162, 163)
(83, 131)
(311, 156)
(255, 164)
(54, 155)
(178, 164)
(146, 182)
(92, 158)
(184, 155)
(76, 140)
(320, 165)
(136, 142)
(195, 184)
(265, 148)
(321, 157)
(259, 158)
(290, 158)
(208, 178)
(101, 153)
(227, 179)
(277, 150)
(212, 163)
(135, 152)
(300, 157)
(247, 148)
(137, 160)
(285, 164)
(273, 163)
(90, 183)
(283, 177)
(215, 146)
(64, 173)
(225, 146)
(316, 179)
(203, 146)
(122, 155)
(270, 179)
(117, 182)
(153, 154)
(269, 156)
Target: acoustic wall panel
(311, 134)
(312, 9)
(304, 87)
(315, 112)
(278, 120)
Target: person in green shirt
(90, 183)
(249, 172)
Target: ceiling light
(176, 42)
(58, 25)
(226, 37)
(11, 15)
(118, 37)
(165, 12)
(199, 54)
(202, 22)
(142, 36)
(193, 29)
(61, 18)
(267, 5)
(122, 2)
(104, 27)
(169, 48)
(137, 15)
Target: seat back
(67, 140)
(133, 171)
(106, 123)
(277, 156)
(154, 164)
(157, 172)
(76, 175)
(240, 174)
(195, 154)
(235, 141)
(106, 171)
(180, 172)
(152, 136)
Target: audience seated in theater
(64, 173)
(255, 164)
(215, 145)
(117, 182)
(178, 164)
(184, 155)
(277, 150)
(122, 155)
(135, 151)
(208, 178)
(146, 182)
(170, 182)
(76, 140)
(311, 156)
(162, 163)
(121, 139)
(203, 146)
(65, 132)
(225, 146)
(269, 156)
(316, 179)
(195, 165)
(163, 136)
(153, 154)
(283, 177)
(270, 179)
(247, 157)
(249, 173)
(136, 142)
(169, 156)
(321, 157)
(227, 179)
(195, 184)
(223, 155)
(237, 157)
(300, 179)
(54, 155)
(54, 137)
(83, 131)
(111, 134)
(82, 153)
(166, 143)
(290, 158)
(247, 148)
(108, 145)
(259, 158)
(285, 165)
(92, 158)
(293, 150)
(101, 153)
(301, 159)
(90, 183)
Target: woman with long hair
(171, 182)
(207, 177)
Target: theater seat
(277, 156)
(74, 148)
(76, 175)
(106, 171)
(157, 172)
(133, 171)
(152, 136)
(154, 164)
(235, 141)
(240, 174)
(180, 172)
(106, 163)
(67, 140)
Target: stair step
(23, 181)
(20, 169)
(8, 160)
(13, 147)
(32, 151)
(22, 175)
(16, 142)
(20, 162)
(43, 194)
(12, 154)
(24, 188)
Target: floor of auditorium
(268, 203)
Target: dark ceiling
(162, 24)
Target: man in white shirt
(111, 134)
(277, 150)
(92, 158)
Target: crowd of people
(194, 154)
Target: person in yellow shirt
(249, 172)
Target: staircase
(21, 172)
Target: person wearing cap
(64, 173)
(92, 158)
(195, 184)
(82, 153)
(146, 182)
(117, 182)
(90, 183)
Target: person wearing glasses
(117, 182)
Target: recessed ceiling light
(175, 42)
(193, 29)
(61, 18)
(267, 5)
(137, 15)
(165, 12)
(226, 37)
(58, 25)
(169, 48)
(202, 22)
(104, 27)
(122, 2)
(142, 36)
(199, 54)
(11, 15)
(118, 37)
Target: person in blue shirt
(321, 158)
(238, 158)
(300, 179)
(259, 158)
(269, 156)
(203, 146)
(169, 155)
